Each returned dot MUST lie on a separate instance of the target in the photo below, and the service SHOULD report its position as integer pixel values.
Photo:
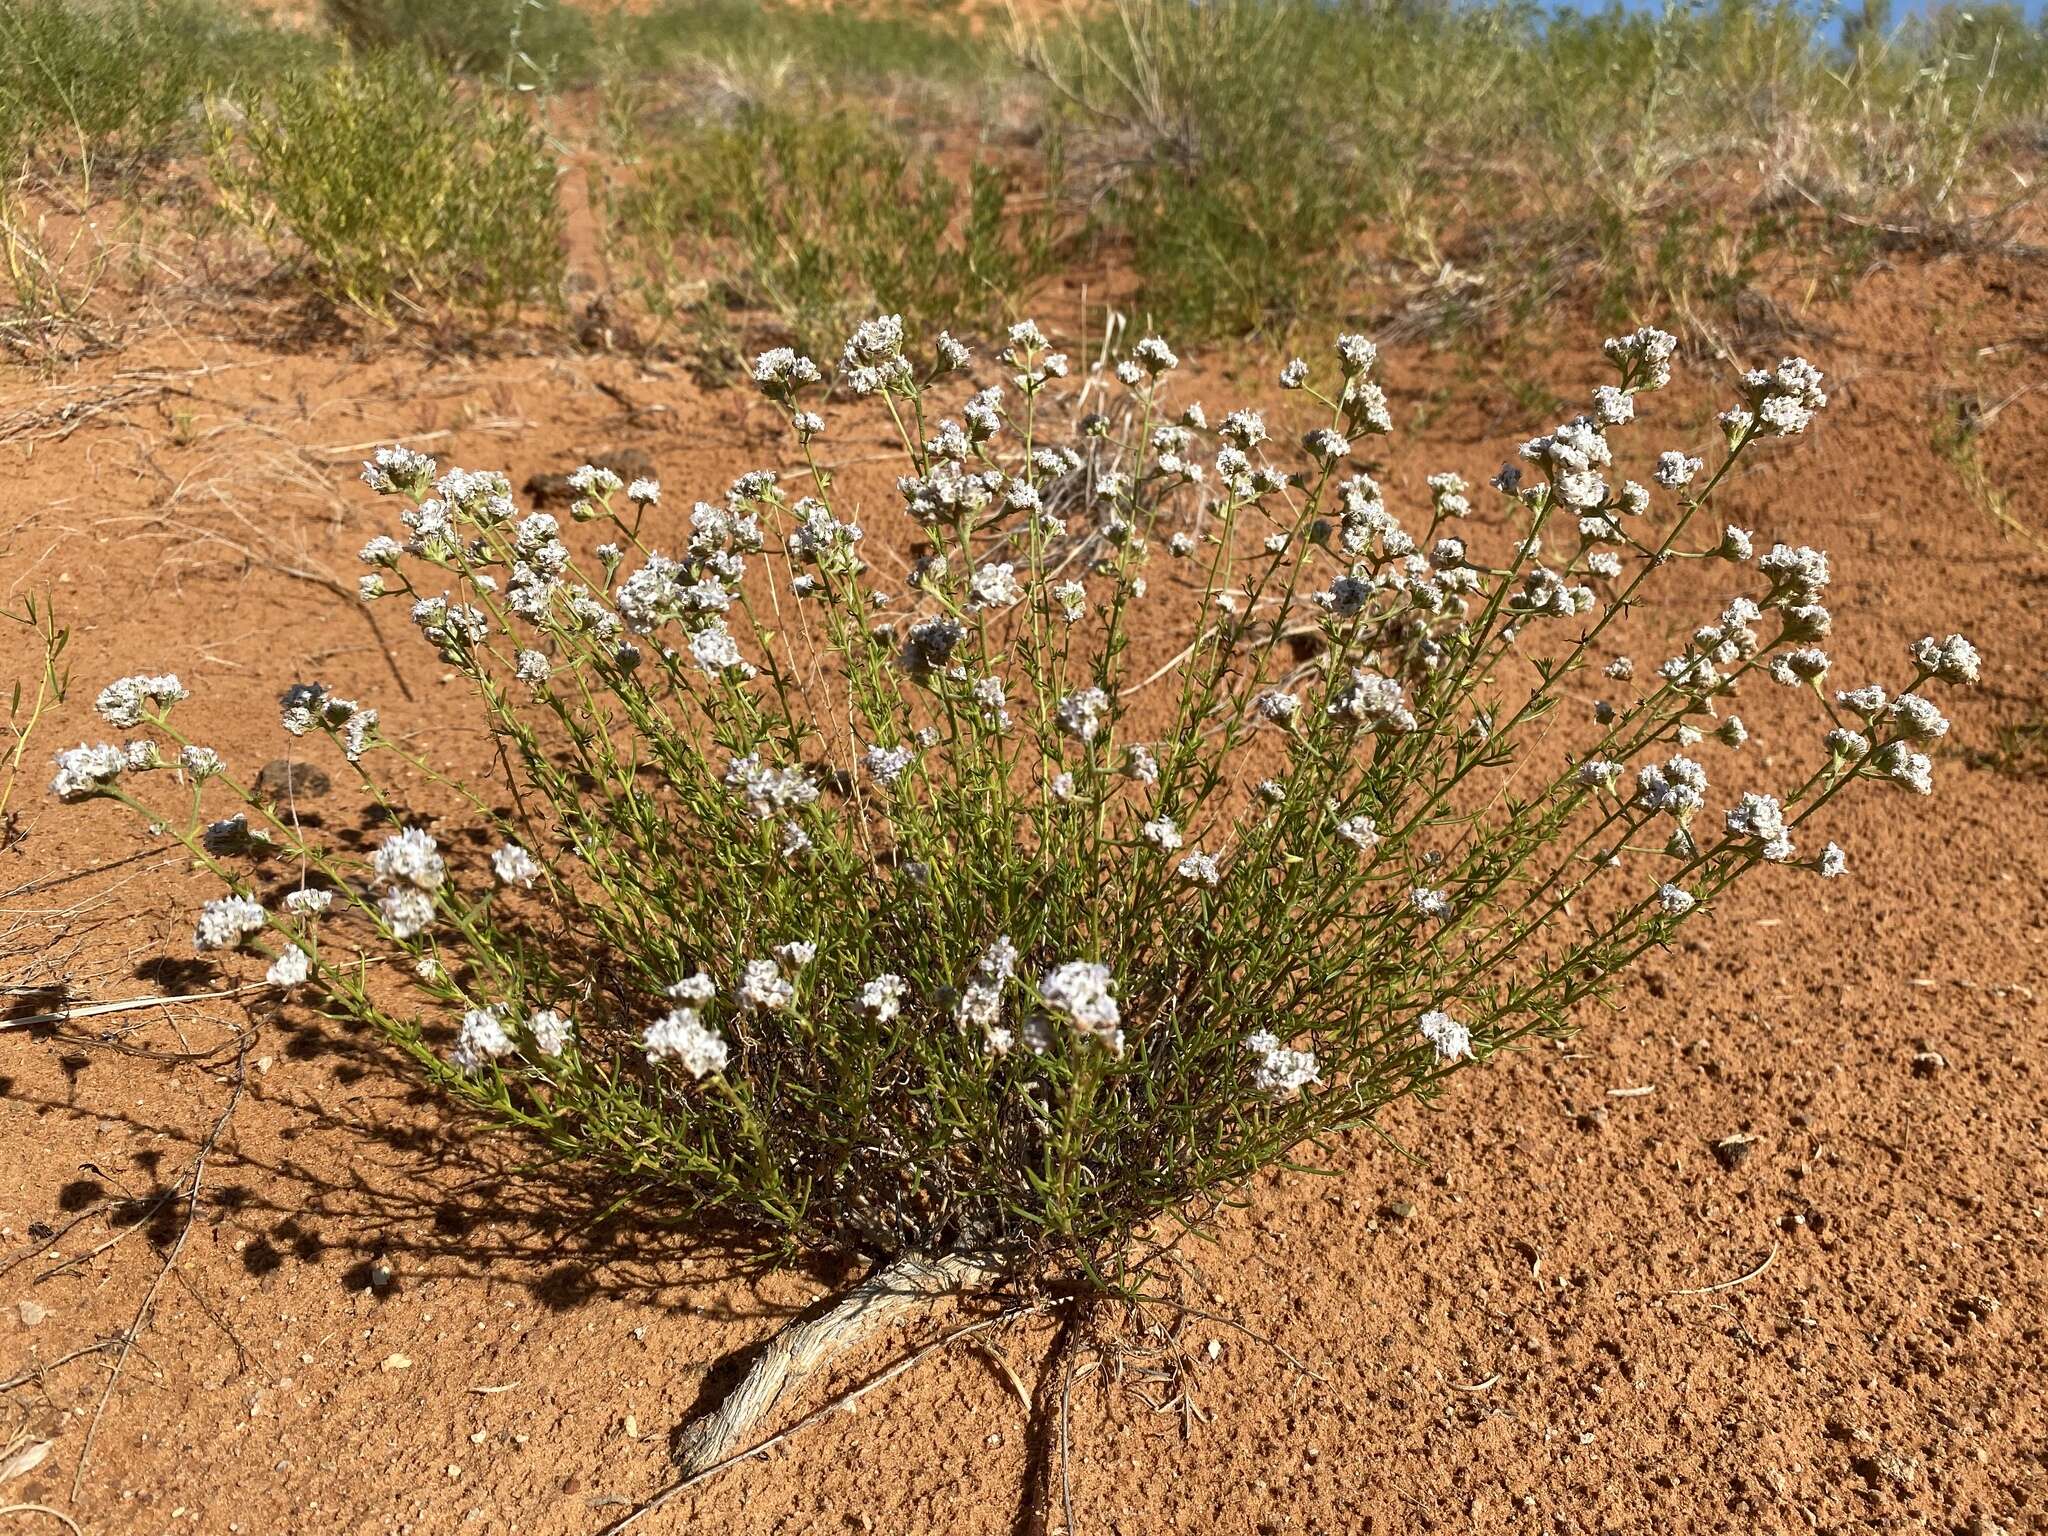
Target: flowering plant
(906, 918)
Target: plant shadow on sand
(381, 1187)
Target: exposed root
(902, 1286)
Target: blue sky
(2033, 10)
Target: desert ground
(1763, 1248)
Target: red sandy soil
(1561, 1313)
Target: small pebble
(1732, 1151)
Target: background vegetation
(1222, 170)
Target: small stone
(397, 1363)
(1732, 1151)
(1400, 1210)
(381, 1273)
(1984, 1525)
(1927, 1063)
(31, 1313)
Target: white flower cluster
(1372, 703)
(225, 921)
(513, 865)
(85, 770)
(123, 702)
(683, 1037)
(1451, 1040)
(1083, 994)
(1278, 1070)
(482, 1039)
(410, 863)
(981, 999)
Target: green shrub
(1263, 159)
(842, 48)
(122, 74)
(818, 218)
(885, 911)
(392, 185)
(517, 42)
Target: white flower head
(1080, 714)
(410, 857)
(312, 902)
(550, 1030)
(1675, 471)
(1277, 1070)
(1083, 992)
(698, 989)
(290, 968)
(763, 987)
(1953, 660)
(683, 1037)
(85, 770)
(398, 471)
(883, 997)
(226, 922)
(1451, 1040)
(1360, 832)
(513, 865)
(123, 701)
(406, 911)
(481, 1040)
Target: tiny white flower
(551, 1031)
(762, 986)
(411, 857)
(226, 921)
(482, 1039)
(684, 1038)
(1451, 1040)
(699, 988)
(290, 968)
(1083, 992)
(513, 865)
(883, 997)
(1278, 1070)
